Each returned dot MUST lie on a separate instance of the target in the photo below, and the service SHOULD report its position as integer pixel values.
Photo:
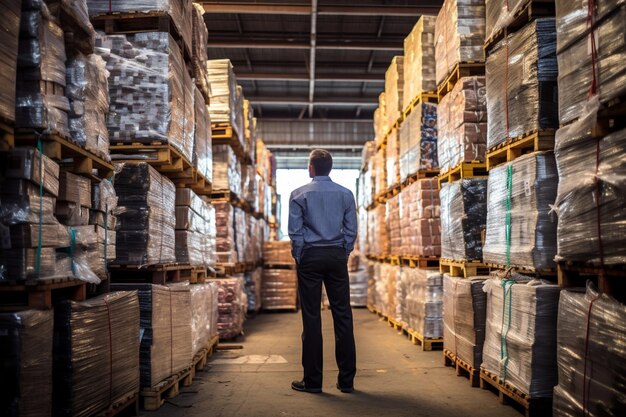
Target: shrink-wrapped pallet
(279, 289)
(277, 252)
(200, 36)
(392, 159)
(590, 355)
(464, 315)
(520, 334)
(422, 301)
(226, 247)
(500, 14)
(232, 306)
(380, 166)
(394, 90)
(253, 289)
(463, 218)
(585, 66)
(459, 35)
(522, 83)
(462, 124)
(392, 208)
(202, 144)
(418, 140)
(590, 196)
(381, 125)
(96, 353)
(180, 12)
(203, 308)
(74, 200)
(195, 230)
(226, 170)
(358, 287)
(150, 91)
(9, 41)
(521, 230)
(146, 216)
(420, 225)
(26, 364)
(226, 104)
(90, 252)
(377, 231)
(419, 60)
(240, 228)
(386, 285)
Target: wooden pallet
(538, 140)
(462, 368)
(463, 269)
(61, 148)
(224, 269)
(225, 134)
(128, 405)
(279, 265)
(7, 136)
(41, 293)
(201, 358)
(427, 343)
(425, 97)
(549, 273)
(421, 174)
(195, 274)
(531, 10)
(472, 169)
(462, 69)
(422, 262)
(153, 274)
(509, 394)
(154, 397)
(609, 280)
(395, 324)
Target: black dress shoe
(300, 386)
(346, 390)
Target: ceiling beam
(336, 10)
(295, 146)
(319, 101)
(253, 42)
(282, 76)
(312, 55)
(309, 121)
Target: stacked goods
(253, 289)
(392, 162)
(420, 226)
(40, 102)
(464, 311)
(166, 325)
(520, 335)
(369, 149)
(277, 252)
(248, 187)
(202, 149)
(225, 243)
(279, 289)
(249, 122)
(88, 93)
(418, 140)
(591, 53)
(203, 314)
(263, 161)
(359, 275)
(462, 124)
(371, 283)
(500, 14)
(226, 170)
(179, 10)
(96, 353)
(150, 91)
(195, 229)
(200, 36)
(74, 199)
(590, 357)
(146, 219)
(522, 83)
(362, 234)
(377, 232)
(26, 364)
(103, 218)
(240, 226)
(30, 232)
(394, 90)
(381, 125)
(419, 60)
(423, 301)
(226, 102)
(394, 225)
(232, 306)
(459, 35)
(387, 277)
(589, 202)
(463, 218)
(521, 231)
(380, 168)
(9, 40)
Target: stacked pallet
(279, 285)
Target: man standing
(323, 228)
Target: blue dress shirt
(321, 213)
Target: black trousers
(327, 265)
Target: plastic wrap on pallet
(277, 252)
(377, 233)
(358, 287)
(381, 125)
(88, 92)
(459, 35)
(369, 149)
(419, 60)
(202, 308)
(25, 163)
(521, 230)
(240, 229)
(247, 183)
(590, 355)
(520, 334)
(226, 169)
(590, 195)
(96, 351)
(253, 289)
(380, 166)
(422, 301)
(145, 216)
(500, 13)
(90, 251)
(224, 106)
(192, 228)
(462, 124)
(394, 90)
(362, 234)
(103, 205)
(573, 19)
(463, 218)
(77, 11)
(393, 225)
(26, 343)
(418, 140)
(150, 90)
(225, 232)
(9, 40)
(179, 10)
(202, 144)
(74, 200)
(522, 83)
(199, 40)
(420, 225)
(232, 306)
(279, 289)
(605, 55)
(464, 315)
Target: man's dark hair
(322, 161)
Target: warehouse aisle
(394, 378)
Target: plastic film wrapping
(462, 123)
(226, 169)
(96, 353)
(500, 13)
(26, 343)
(201, 315)
(226, 104)
(393, 224)
(464, 315)
(463, 218)
(253, 289)
(394, 90)
(380, 167)
(202, 144)
(521, 231)
(520, 335)
(418, 140)
(279, 289)
(200, 37)
(419, 222)
(240, 229)
(419, 60)
(145, 216)
(459, 35)
(74, 200)
(381, 125)
(150, 90)
(277, 252)
(422, 301)
(194, 234)
(377, 232)
(226, 249)
(9, 41)
(392, 161)
(358, 287)
(232, 306)
(590, 355)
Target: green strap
(106, 235)
(507, 230)
(507, 286)
(39, 232)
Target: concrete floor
(394, 377)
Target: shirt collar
(321, 178)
